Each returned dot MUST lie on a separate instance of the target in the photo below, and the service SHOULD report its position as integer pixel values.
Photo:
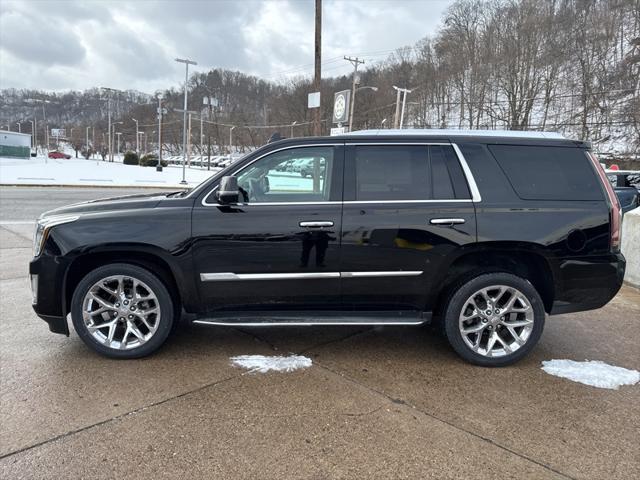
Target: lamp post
(159, 165)
(230, 140)
(118, 151)
(113, 136)
(137, 135)
(293, 125)
(33, 133)
(19, 127)
(86, 143)
(186, 62)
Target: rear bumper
(587, 283)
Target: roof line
(458, 133)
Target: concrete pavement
(377, 402)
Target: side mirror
(228, 192)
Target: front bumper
(587, 283)
(47, 274)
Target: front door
(407, 207)
(278, 248)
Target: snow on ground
(264, 364)
(78, 171)
(594, 373)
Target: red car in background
(59, 155)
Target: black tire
(165, 302)
(460, 295)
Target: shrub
(130, 158)
(151, 160)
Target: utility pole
(186, 62)
(189, 142)
(399, 117)
(19, 127)
(137, 137)
(33, 130)
(317, 126)
(86, 143)
(109, 135)
(118, 134)
(201, 137)
(355, 62)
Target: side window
(448, 178)
(392, 173)
(295, 175)
(409, 172)
(548, 173)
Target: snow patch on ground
(264, 364)
(592, 372)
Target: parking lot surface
(376, 403)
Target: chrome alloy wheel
(496, 321)
(121, 312)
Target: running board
(307, 319)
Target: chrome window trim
(289, 147)
(475, 193)
(473, 187)
(232, 277)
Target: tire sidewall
(164, 300)
(461, 295)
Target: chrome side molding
(222, 323)
(230, 276)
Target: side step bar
(309, 319)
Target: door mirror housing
(228, 192)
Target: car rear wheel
(122, 311)
(494, 319)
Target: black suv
(480, 233)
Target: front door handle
(316, 224)
(446, 221)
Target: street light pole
(398, 122)
(86, 141)
(19, 127)
(186, 62)
(33, 132)
(159, 165)
(230, 140)
(293, 125)
(137, 135)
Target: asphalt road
(376, 403)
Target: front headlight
(43, 227)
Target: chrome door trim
(397, 273)
(475, 193)
(455, 200)
(232, 277)
(288, 147)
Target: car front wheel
(122, 311)
(494, 319)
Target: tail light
(614, 204)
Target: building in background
(14, 144)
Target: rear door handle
(316, 224)
(446, 221)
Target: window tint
(408, 172)
(392, 173)
(294, 175)
(548, 173)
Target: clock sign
(341, 106)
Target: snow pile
(264, 364)
(43, 171)
(594, 373)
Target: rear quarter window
(548, 173)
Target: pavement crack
(117, 417)
(403, 403)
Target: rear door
(407, 207)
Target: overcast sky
(62, 45)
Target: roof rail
(459, 133)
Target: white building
(14, 144)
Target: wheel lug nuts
(117, 304)
(130, 316)
(484, 320)
(497, 311)
(126, 302)
(132, 308)
(122, 319)
(488, 312)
